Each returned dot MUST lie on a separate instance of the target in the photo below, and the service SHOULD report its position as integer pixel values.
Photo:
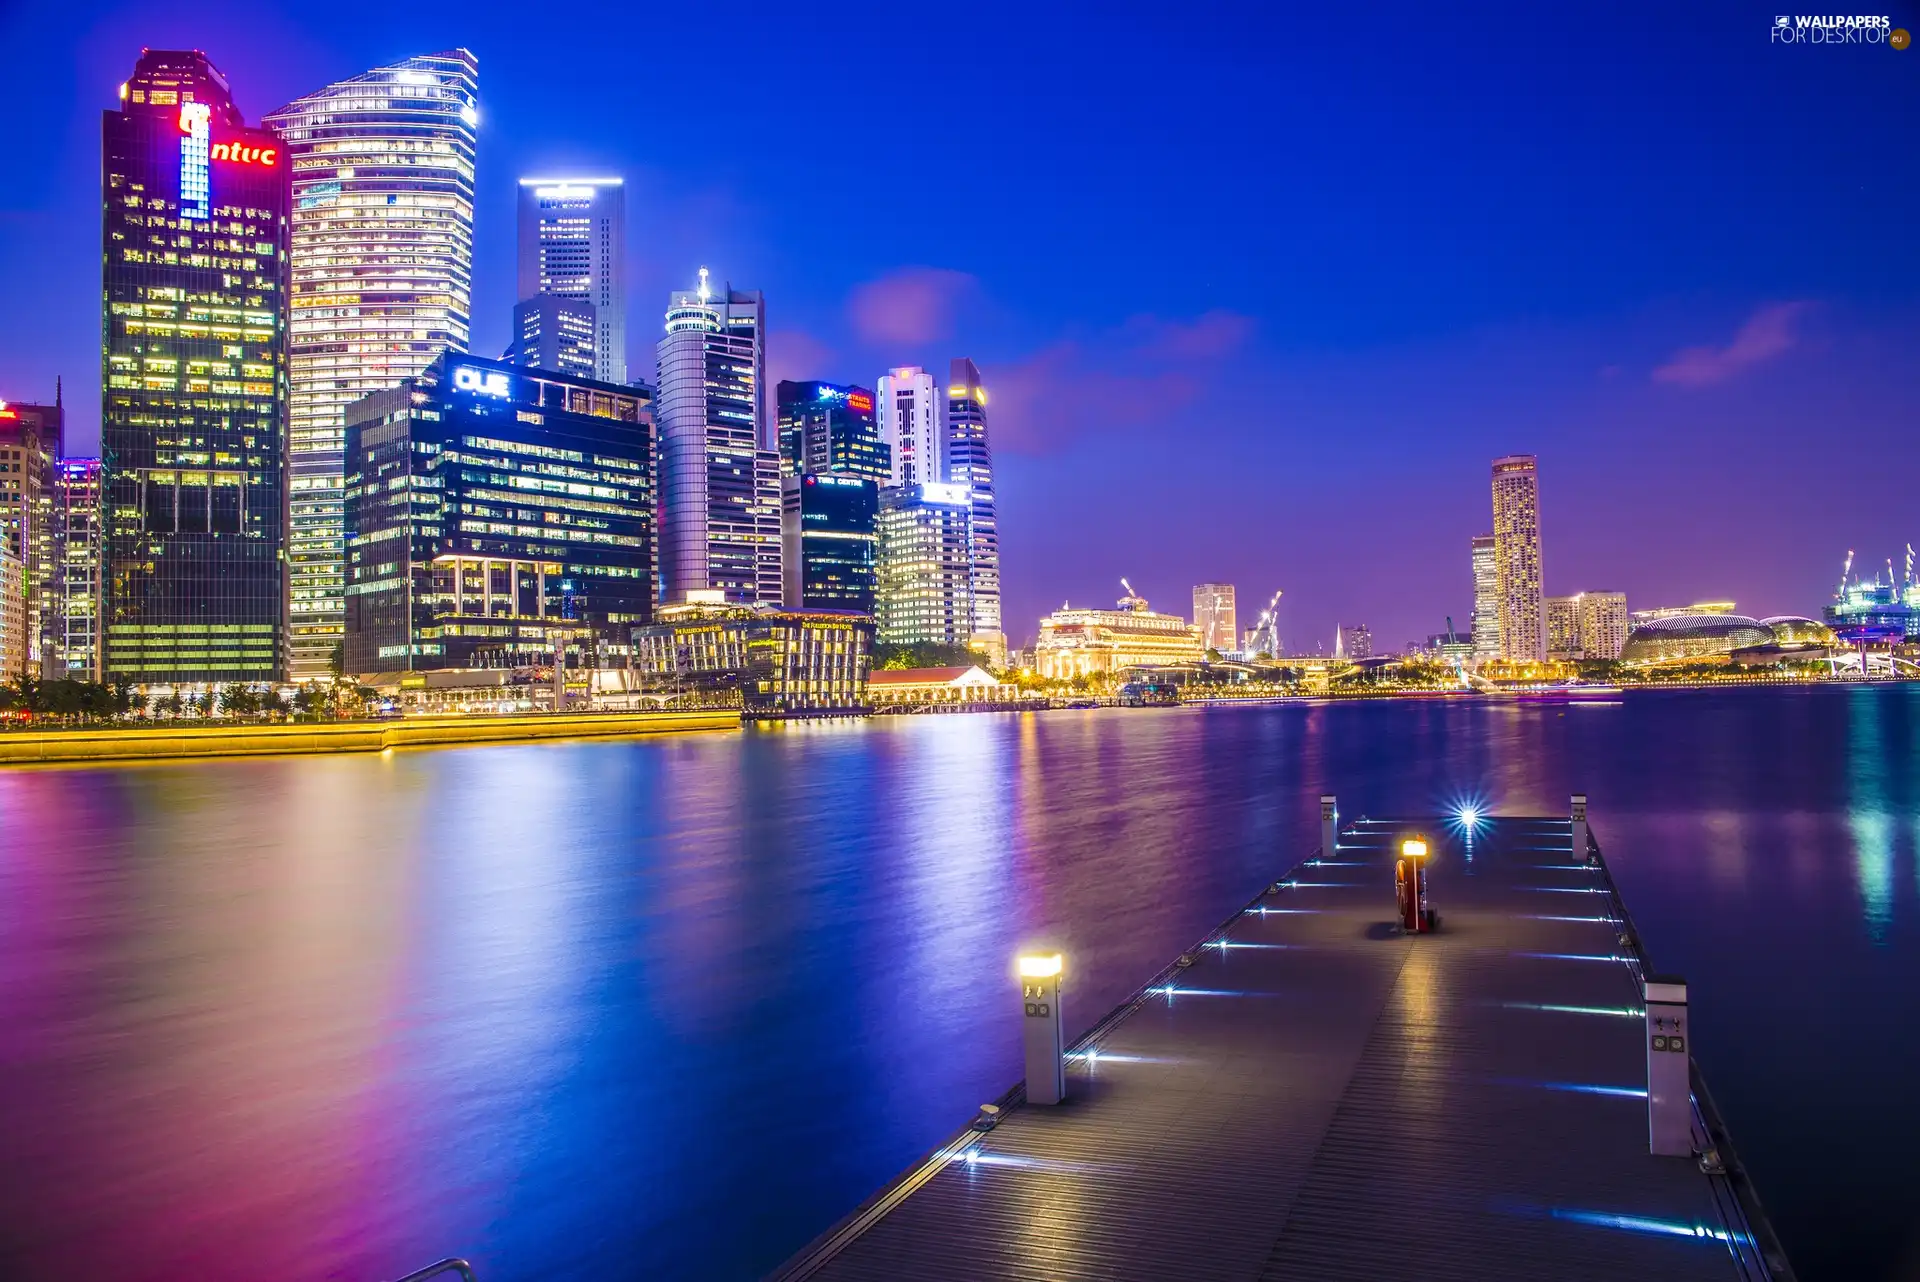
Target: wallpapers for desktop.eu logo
(1837, 29)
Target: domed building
(1793, 629)
(1693, 637)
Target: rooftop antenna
(706, 291)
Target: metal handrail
(452, 1264)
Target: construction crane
(1132, 600)
(1845, 570)
(1268, 627)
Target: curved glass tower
(382, 284)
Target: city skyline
(1648, 368)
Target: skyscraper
(926, 573)
(573, 244)
(1516, 555)
(1213, 614)
(194, 243)
(719, 471)
(910, 424)
(74, 596)
(553, 333)
(382, 284)
(494, 513)
(1354, 640)
(1563, 627)
(969, 463)
(1486, 599)
(830, 555)
(826, 428)
(30, 443)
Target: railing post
(1329, 826)
(1669, 1084)
(1579, 827)
(1040, 1022)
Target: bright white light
(1469, 816)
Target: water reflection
(1867, 817)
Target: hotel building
(1088, 643)
(1516, 557)
(494, 514)
(383, 173)
(194, 241)
(719, 470)
(573, 246)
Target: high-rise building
(910, 424)
(13, 616)
(830, 548)
(1353, 641)
(1516, 555)
(1603, 624)
(382, 169)
(826, 428)
(553, 333)
(969, 463)
(1485, 624)
(1563, 627)
(1213, 614)
(74, 650)
(573, 245)
(719, 471)
(193, 440)
(926, 570)
(493, 513)
(30, 443)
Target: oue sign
(482, 382)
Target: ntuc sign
(240, 153)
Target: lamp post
(1040, 1022)
(1410, 885)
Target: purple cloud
(911, 305)
(1768, 333)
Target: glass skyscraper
(828, 428)
(194, 241)
(383, 170)
(493, 513)
(719, 470)
(830, 543)
(969, 463)
(573, 245)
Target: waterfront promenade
(1312, 1094)
(168, 741)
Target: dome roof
(1690, 635)
(1791, 629)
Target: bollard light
(1410, 885)
(1669, 1083)
(1329, 826)
(1579, 809)
(1040, 1024)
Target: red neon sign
(860, 401)
(246, 155)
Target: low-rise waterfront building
(494, 514)
(951, 687)
(782, 663)
(1658, 612)
(1085, 643)
(1693, 638)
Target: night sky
(1258, 291)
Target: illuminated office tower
(1486, 599)
(30, 444)
(13, 616)
(719, 471)
(910, 409)
(969, 463)
(829, 429)
(1563, 627)
(382, 284)
(926, 573)
(74, 597)
(1213, 614)
(194, 242)
(553, 333)
(573, 245)
(1353, 641)
(1516, 558)
(827, 529)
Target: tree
(307, 701)
(237, 700)
(923, 654)
(204, 704)
(122, 696)
(173, 704)
(272, 702)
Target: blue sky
(1259, 292)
